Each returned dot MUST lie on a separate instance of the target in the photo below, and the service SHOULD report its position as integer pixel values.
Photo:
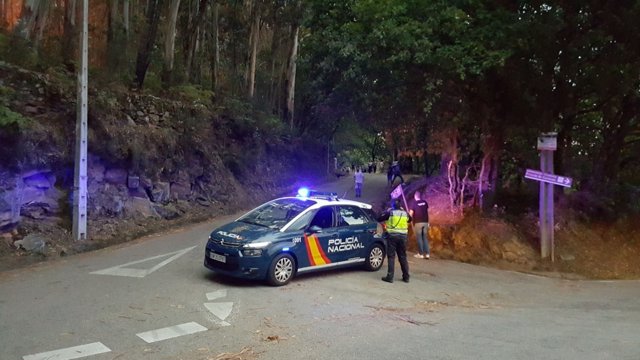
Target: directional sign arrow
(548, 178)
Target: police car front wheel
(375, 259)
(281, 270)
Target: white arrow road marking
(122, 270)
(171, 332)
(75, 352)
(220, 310)
(217, 294)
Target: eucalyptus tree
(147, 41)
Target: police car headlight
(254, 249)
(257, 245)
(252, 252)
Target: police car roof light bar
(306, 193)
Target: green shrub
(9, 118)
(191, 93)
(152, 83)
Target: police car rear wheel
(375, 258)
(281, 270)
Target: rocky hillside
(153, 162)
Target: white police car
(312, 231)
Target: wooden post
(547, 144)
(550, 206)
(544, 239)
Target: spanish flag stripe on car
(314, 251)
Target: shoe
(418, 256)
(405, 279)
(426, 257)
(388, 279)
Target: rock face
(152, 159)
(32, 195)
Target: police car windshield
(277, 213)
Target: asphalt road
(153, 299)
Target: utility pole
(80, 173)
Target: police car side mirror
(314, 229)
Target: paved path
(153, 299)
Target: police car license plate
(217, 257)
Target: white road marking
(171, 332)
(220, 310)
(122, 270)
(75, 352)
(216, 294)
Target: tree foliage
(471, 81)
(477, 81)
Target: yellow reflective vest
(398, 222)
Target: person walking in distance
(395, 170)
(419, 212)
(396, 224)
(359, 177)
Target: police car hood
(241, 232)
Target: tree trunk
(4, 19)
(275, 46)
(619, 126)
(125, 17)
(215, 60)
(170, 42)
(255, 35)
(291, 76)
(193, 37)
(147, 41)
(490, 148)
(112, 35)
(69, 35)
(33, 20)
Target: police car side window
(323, 218)
(352, 215)
(302, 222)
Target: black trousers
(397, 244)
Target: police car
(290, 235)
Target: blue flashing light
(285, 249)
(303, 192)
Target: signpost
(547, 144)
(397, 192)
(548, 178)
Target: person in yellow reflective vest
(396, 225)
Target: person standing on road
(359, 177)
(396, 225)
(419, 212)
(395, 170)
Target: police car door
(317, 237)
(355, 231)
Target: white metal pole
(80, 173)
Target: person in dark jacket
(419, 212)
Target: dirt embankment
(583, 249)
